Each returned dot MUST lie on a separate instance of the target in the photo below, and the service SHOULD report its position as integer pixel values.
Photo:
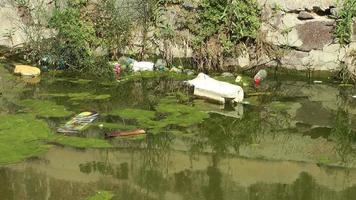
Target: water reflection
(207, 177)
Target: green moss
(102, 195)
(280, 106)
(80, 142)
(80, 96)
(46, 109)
(168, 112)
(81, 81)
(143, 117)
(21, 136)
(179, 114)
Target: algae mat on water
(168, 112)
(45, 109)
(102, 195)
(81, 142)
(21, 136)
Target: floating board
(126, 133)
(78, 123)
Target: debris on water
(78, 123)
(238, 79)
(317, 82)
(258, 78)
(126, 133)
(142, 66)
(27, 70)
(176, 70)
(354, 96)
(207, 87)
(117, 70)
(246, 102)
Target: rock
(227, 74)
(26, 70)
(295, 60)
(243, 60)
(304, 15)
(298, 5)
(188, 72)
(328, 58)
(230, 62)
(334, 11)
(350, 59)
(175, 69)
(314, 35)
(188, 6)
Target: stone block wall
(304, 27)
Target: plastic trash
(117, 70)
(27, 70)
(161, 65)
(78, 123)
(317, 82)
(238, 79)
(142, 66)
(207, 87)
(258, 78)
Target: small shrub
(345, 17)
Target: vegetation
(167, 112)
(81, 142)
(220, 26)
(345, 17)
(102, 195)
(21, 136)
(44, 109)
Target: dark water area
(290, 139)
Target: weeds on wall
(345, 17)
(219, 26)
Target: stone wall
(304, 27)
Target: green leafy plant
(345, 17)
(220, 25)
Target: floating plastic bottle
(262, 74)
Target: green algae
(45, 108)
(167, 112)
(80, 142)
(21, 137)
(179, 114)
(138, 114)
(81, 81)
(101, 195)
(80, 96)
